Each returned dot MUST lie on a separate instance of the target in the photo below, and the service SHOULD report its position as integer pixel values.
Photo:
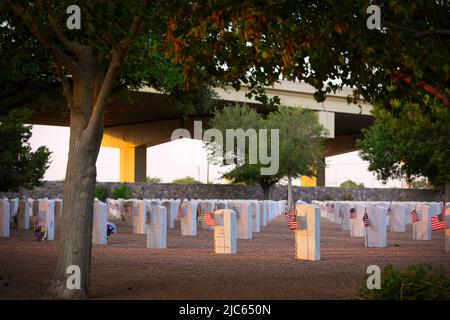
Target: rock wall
(53, 189)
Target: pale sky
(182, 158)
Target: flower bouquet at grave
(110, 229)
(40, 232)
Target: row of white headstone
(48, 213)
(154, 216)
(380, 221)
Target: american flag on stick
(199, 211)
(291, 220)
(415, 218)
(35, 220)
(437, 222)
(389, 211)
(208, 218)
(365, 219)
(180, 211)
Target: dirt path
(264, 267)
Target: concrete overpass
(147, 119)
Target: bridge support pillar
(133, 164)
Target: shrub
(417, 282)
(101, 193)
(122, 191)
(153, 180)
(349, 184)
(186, 180)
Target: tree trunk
(75, 242)
(446, 192)
(266, 191)
(289, 197)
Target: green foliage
(101, 193)
(349, 184)
(410, 140)
(153, 179)
(318, 42)
(186, 180)
(122, 191)
(300, 143)
(19, 166)
(421, 183)
(417, 282)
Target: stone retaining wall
(217, 191)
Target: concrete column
(133, 164)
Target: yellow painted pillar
(306, 181)
(133, 164)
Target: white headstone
(4, 217)
(345, 216)
(422, 228)
(398, 218)
(23, 214)
(376, 231)
(356, 223)
(115, 208)
(157, 227)
(99, 235)
(256, 216)
(307, 234)
(13, 206)
(189, 218)
(128, 212)
(263, 211)
(244, 221)
(46, 217)
(140, 211)
(225, 231)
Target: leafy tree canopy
(19, 166)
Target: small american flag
(237, 212)
(365, 219)
(389, 211)
(352, 213)
(437, 222)
(180, 211)
(415, 218)
(291, 220)
(208, 218)
(199, 211)
(35, 220)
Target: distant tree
(300, 144)
(153, 180)
(349, 184)
(186, 180)
(19, 166)
(410, 140)
(421, 183)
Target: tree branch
(60, 57)
(73, 46)
(118, 55)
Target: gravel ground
(264, 267)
